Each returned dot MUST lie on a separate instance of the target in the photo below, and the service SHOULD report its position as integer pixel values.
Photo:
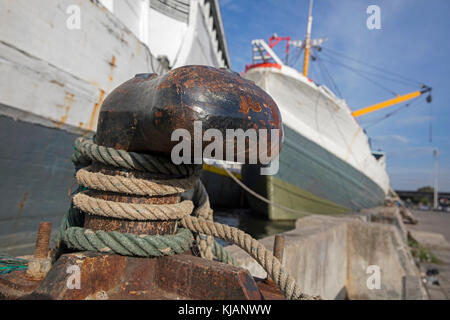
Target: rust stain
(247, 104)
(158, 115)
(95, 84)
(96, 109)
(68, 101)
(16, 221)
(22, 203)
(113, 65)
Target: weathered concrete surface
(387, 215)
(329, 256)
(315, 254)
(433, 232)
(375, 244)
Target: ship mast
(308, 40)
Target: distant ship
(326, 164)
(58, 60)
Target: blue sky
(413, 41)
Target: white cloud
(391, 138)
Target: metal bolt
(40, 264)
(42, 240)
(278, 247)
(278, 250)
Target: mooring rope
(254, 248)
(131, 160)
(128, 244)
(132, 211)
(135, 186)
(143, 245)
(9, 263)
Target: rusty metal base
(106, 276)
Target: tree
(426, 189)
(424, 199)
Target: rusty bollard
(40, 264)
(140, 116)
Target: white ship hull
(56, 75)
(319, 127)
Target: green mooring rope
(222, 254)
(128, 244)
(9, 263)
(73, 236)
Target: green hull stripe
(293, 197)
(312, 179)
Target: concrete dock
(357, 256)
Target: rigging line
(322, 74)
(388, 115)
(320, 77)
(374, 74)
(406, 105)
(314, 74)
(293, 59)
(357, 72)
(371, 124)
(372, 66)
(430, 128)
(260, 197)
(296, 58)
(328, 73)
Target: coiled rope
(132, 211)
(87, 151)
(135, 186)
(179, 179)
